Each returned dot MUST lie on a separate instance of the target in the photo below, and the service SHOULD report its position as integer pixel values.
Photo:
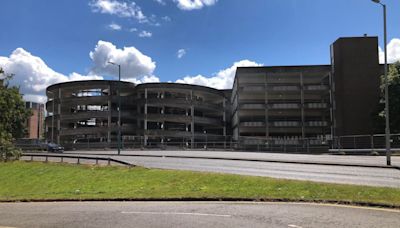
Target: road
(320, 173)
(192, 214)
(305, 158)
(280, 165)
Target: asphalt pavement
(359, 170)
(320, 173)
(192, 214)
(359, 160)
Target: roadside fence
(353, 144)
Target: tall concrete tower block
(355, 80)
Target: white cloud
(114, 26)
(393, 49)
(166, 18)
(33, 75)
(194, 4)
(221, 80)
(118, 8)
(180, 53)
(161, 2)
(132, 30)
(144, 79)
(134, 64)
(78, 77)
(145, 34)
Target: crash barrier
(78, 158)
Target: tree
(394, 102)
(13, 116)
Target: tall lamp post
(387, 127)
(119, 106)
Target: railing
(357, 144)
(362, 143)
(78, 158)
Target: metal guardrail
(79, 158)
(352, 144)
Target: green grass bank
(21, 181)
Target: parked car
(30, 145)
(55, 148)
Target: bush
(8, 152)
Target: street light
(119, 106)
(387, 127)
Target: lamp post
(387, 127)
(119, 106)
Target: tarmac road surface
(371, 176)
(320, 173)
(193, 214)
(327, 159)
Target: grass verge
(26, 181)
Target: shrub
(8, 152)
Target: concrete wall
(356, 73)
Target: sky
(200, 42)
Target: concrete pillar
(109, 115)
(332, 105)
(224, 117)
(59, 116)
(145, 118)
(238, 110)
(303, 133)
(162, 123)
(192, 119)
(266, 106)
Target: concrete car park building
(280, 104)
(286, 104)
(86, 111)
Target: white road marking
(173, 213)
(294, 226)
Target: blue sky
(211, 35)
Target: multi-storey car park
(170, 113)
(281, 103)
(267, 106)
(87, 111)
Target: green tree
(13, 116)
(394, 102)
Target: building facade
(279, 104)
(282, 103)
(35, 123)
(86, 112)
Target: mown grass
(39, 181)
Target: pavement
(193, 214)
(357, 175)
